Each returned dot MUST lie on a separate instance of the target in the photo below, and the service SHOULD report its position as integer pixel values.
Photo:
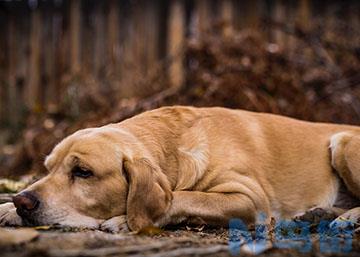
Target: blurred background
(66, 65)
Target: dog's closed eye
(81, 172)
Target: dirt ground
(97, 243)
(173, 241)
(169, 243)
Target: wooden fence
(47, 47)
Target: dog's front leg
(115, 224)
(8, 215)
(214, 208)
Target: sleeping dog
(176, 163)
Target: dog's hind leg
(345, 159)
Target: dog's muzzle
(26, 204)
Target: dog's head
(96, 174)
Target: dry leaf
(150, 231)
(11, 186)
(42, 227)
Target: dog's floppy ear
(149, 194)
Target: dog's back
(286, 161)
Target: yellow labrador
(174, 163)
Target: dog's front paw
(316, 215)
(8, 215)
(349, 218)
(115, 225)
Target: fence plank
(34, 62)
(303, 14)
(99, 47)
(202, 10)
(227, 16)
(3, 66)
(12, 96)
(279, 16)
(75, 18)
(176, 42)
(152, 35)
(48, 66)
(113, 29)
(303, 19)
(58, 56)
(139, 38)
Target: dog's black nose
(25, 203)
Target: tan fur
(212, 163)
